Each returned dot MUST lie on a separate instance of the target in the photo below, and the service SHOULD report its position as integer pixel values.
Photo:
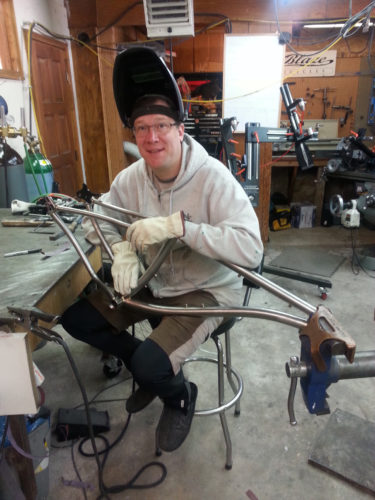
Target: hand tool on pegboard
(348, 110)
(326, 103)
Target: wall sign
(322, 65)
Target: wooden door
(54, 105)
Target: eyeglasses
(160, 129)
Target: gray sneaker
(174, 424)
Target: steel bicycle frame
(319, 326)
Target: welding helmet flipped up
(137, 72)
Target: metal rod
(102, 239)
(154, 266)
(272, 288)
(225, 312)
(117, 209)
(292, 393)
(362, 366)
(95, 215)
(82, 255)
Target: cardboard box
(303, 215)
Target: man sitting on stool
(185, 194)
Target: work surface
(26, 280)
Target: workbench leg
(23, 465)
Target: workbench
(50, 284)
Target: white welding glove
(146, 232)
(125, 267)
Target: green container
(39, 174)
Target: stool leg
(228, 360)
(223, 420)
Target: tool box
(280, 217)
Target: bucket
(12, 176)
(39, 175)
(12, 184)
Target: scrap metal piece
(345, 448)
(323, 326)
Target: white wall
(52, 15)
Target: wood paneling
(265, 167)
(208, 52)
(244, 10)
(184, 60)
(90, 109)
(112, 122)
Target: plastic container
(12, 176)
(12, 184)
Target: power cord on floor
(76, 468)
(94, 400)
(104, 490)
(355, 258)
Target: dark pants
(149, 364)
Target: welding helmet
(138, 72)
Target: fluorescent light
(332, 25)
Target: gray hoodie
(221, 224)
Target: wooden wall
(101, 129)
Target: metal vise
(327, 355)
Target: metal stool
(233, 377)
(224, 366)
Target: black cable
(105, 451)
(337, 37)
(357, 52)
(345, 31)
(130, 484)
(356, 272)
(309, 41)
(116, 20)
(356, 258)
(76, 469)
(59, 339)
(104, 490)
(213, 14)
(93, 399)
(109, 446)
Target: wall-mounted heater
(165, 18)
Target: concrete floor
(270, 457)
